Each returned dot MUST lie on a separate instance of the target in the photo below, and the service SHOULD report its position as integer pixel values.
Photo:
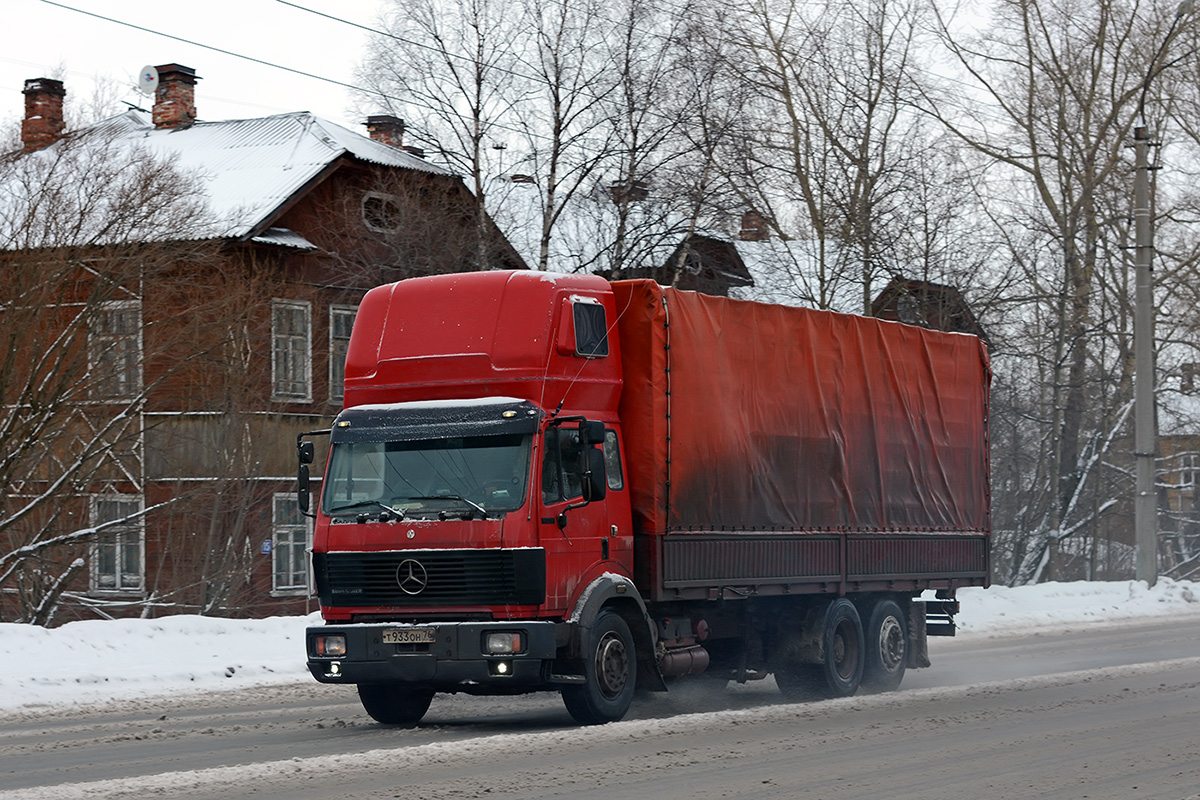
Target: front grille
(436, 578)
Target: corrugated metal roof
(249, 167)
(284, 238)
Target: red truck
(554, 482)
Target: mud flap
(918, 640)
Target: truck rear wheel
(610, 672)
(395, 704)
(841, 670)
(887, 647)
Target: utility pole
(1145, 434)
(1145, 440)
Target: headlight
(498, 644)
(330, 645)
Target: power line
(271, 64)
(216, 49)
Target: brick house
(201, 373)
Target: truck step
(567, 679)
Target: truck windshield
(429, 478)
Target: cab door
(577, 536)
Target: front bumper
(454, 661)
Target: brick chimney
(175, 98)
(386, 129)
(43, 124)
(754, 227)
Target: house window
(115, 350)
(1187, 471)
(289, 545)
(381, 212)
(117, 554)
(341, 320)
(291, 346)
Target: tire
(886, 647)
(844, 650)
(841, 671)
(395, 704)
(610, 672)
(801, 682)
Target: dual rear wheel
(872, 657)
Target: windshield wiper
(474, 506)
(399, 513)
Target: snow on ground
(99, 661)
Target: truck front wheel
(887, 647)
(394, 704)
(610, 673)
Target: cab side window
(612, 461)
(562, 478)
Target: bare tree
(1058, 84)
(451, 64)
(85, 227)
(828, 141)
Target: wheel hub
(612, 665)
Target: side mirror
(591, 432)
(303, 492)
(305, 452)
(595, 481)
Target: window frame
(136, 528)
(284, 540)
(1187, 470)
(101, 345)
(337, 374)
(383, 198)
(288, 339)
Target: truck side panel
(785, 449)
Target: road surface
(1094, 712)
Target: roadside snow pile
(1002, 609)
(100, 661)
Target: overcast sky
(38, 39)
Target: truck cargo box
(778, 449)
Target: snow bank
(1000, 609)
(99, 661)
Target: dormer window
(381, 212)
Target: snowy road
(1100, 712)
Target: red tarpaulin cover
(765, 417)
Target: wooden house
(166, 482)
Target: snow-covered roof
(284, 238)
(248, 168)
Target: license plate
(408, 636)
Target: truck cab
(474, 492)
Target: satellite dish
(147, 79)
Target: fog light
(330, 645)
(500, 668)
(503, 643)
(335, 669)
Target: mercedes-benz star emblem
(411, 576)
